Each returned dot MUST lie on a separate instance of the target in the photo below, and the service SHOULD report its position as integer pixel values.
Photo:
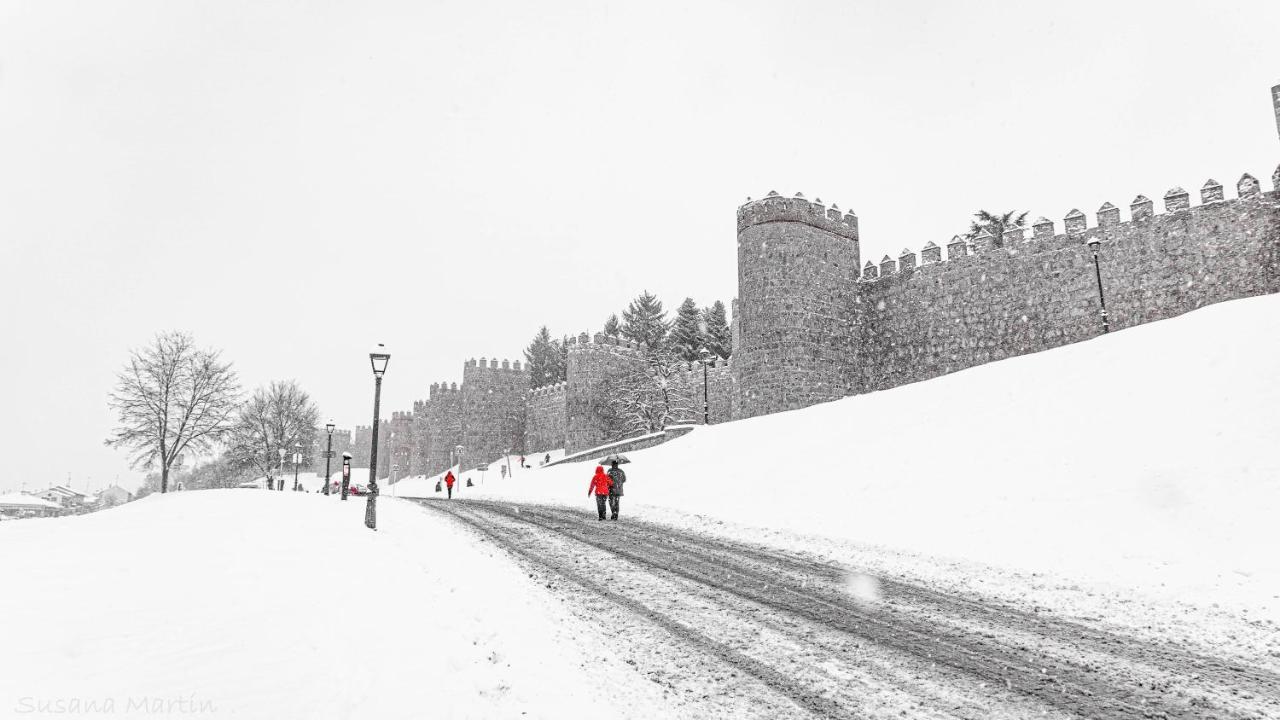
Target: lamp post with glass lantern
(328, 454)
(297, 460)
(706, 405)
(378, 360)
(1094, 244)
(280, 470)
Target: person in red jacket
(448, 483)
(600, 485)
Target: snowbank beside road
(253, 604)
(1145, 459)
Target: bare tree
(647, 398)
(172, 398)
(277, 417)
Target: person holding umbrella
(619, 479)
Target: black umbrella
(615, 458)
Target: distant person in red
(448, 483)
(600, 485)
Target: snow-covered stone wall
(493, 409)
(1041, 291)
(812, 331)
(546, 418)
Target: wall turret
(797, 263)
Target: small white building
(70, 500)
(113, 495)
(22, 505)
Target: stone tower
(597, 370)
(493, 409)
(797, 270)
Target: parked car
(352, 489)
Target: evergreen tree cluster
(693, 328)
(548, 359)
(644, 321)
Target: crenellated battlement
(494, 364)
(1074, 223)
(775, 208)
(604, 343)
(547, 391)
(441, 389)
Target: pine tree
(546, 359)
(995, 224)
(645, 322)
(719, 338)
(688, 333)
(612, 327)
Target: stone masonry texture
(798, 265)
(546, 419)
(494, 408)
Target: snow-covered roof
(64, 490)
(25, 500)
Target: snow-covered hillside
(1145, 459)
(251, 604)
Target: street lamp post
(297, 460)
(706, 405)
(346, 474)
(1094, 244)
(457, 456)
(378, 359)
(280, 470)
(328, 454)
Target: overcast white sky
(292, 182)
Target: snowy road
(736, 630)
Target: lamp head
(378, 358)
(329, 426)
(1094, 244)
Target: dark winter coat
(619, 478)
(600, 483)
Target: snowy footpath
(249, 604)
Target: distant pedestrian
(370, 506)
(522, 462)
(504, 471)
(619, 479)
(600, 484)
(546, 459)
(448, 483)
(469, 483)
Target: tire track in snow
(773, 679)
(735, 568)
(1210, 675)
